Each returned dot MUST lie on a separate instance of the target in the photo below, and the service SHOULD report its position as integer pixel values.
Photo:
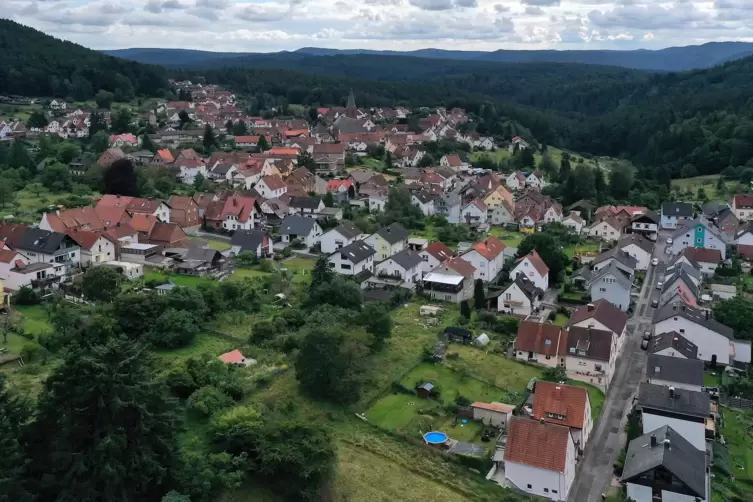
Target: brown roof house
(167, 235)
(602, 315)
(184, 211)
(541, 343)
(540, 458)
(451, 281)
(568, 405)
(591, 355)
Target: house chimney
(591, 307)
(671, 392)
(653, 440)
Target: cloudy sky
(263, 26)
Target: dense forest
(35, 64)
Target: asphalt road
(608, 436)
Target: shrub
(26, 296)
(266, 266)
(31, 352)
(208, 400)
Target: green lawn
(17, 112)
(452, 384)
(189, 281)
(35, 319)
(738, 431)
(246, 273)
(595, 395)
(556, 155)
(710, 380)
(709, 185)
(585, 247)
(217, 244)
(28, 206)
(397, 411)
(561, 320)
(204, 343)
(509, 237)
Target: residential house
(502, 214)
(377, 203)
(535, 180)
(742, 207)
(673, 344)
(96, 247)
(251, 241)
(677, 372)
(646, 224)
(121, 140)
(223, 172)
(304, 205)
(566, 405)
(608, 229)
(339, 237)
(203, 199)
(167, 235)
(453, 161)
(683, 267)
(184, 211)
(540, 458)
(521, 297)
(497, 196)
(574, 222)
(190, 169)
(675, 214)
(306, 230)
(516, 181)
(110, 155)
(591, 355)
(401, 269)
(10, 260)
(541, 343)
(449, 205)
(699, 233)
(452, 281)
(713, 339)
(85, 218)
(246, 141)
(55, 248)
(433, 255)
(271, 187)
(617, 257)
(487, 257)
(235, 213)
(494, 413)
(424, 201)
(474, 213)
(679, 287)
(163, 156)
(639, 247)
(602, 315)
(662, 465)
(388, 240)
(533, 267)
(341, 189)
(40, 276)
(357, 258)
(683, 410)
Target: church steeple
(350, 109)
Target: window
(597, 367)
(508, 296)
(546, 490)
(602, 290)
(554, 491)
(529, 486)
(345, 266)
(448, 297)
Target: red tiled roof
(75, 218)
(120, 230)
(334, 185)
(537, 262)
(165, 155)
(7, 256)
(232, 357)
(704, 255)
(273, 182)
(453, 159)
(242, 207)
(12, 233)
(460, 266)
(143, 222)
(166, 232)
(541, 338)
(247, 139)
(295, 132)
(500, 407)
(143, 206)
(604, 312)
(180, 202)
(560, 399)
(745, 250)
(84, 238)
(439, 250)
(490, 247)
(109, 200)
(530, 442)
(279, 150)
(743, 201)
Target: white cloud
(264, 25)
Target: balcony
(45, 282)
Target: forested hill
(669, 59)
(35, 64)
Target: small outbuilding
(236, 357)
(425, 390)
(482, 340)
(494, 414)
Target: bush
(297, 244)
(266, 266)
(462, 401)
(552, 315)
(208, 400)
(31, 352)
(26, 296)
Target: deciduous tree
(101, 283)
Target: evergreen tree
(465, 309)
(527, 158)
(388, 161)
(240, 129)
(564, 168)
(210, 141)
(147, 143)
(229, 126)
(14, 414)
(120, 178)
(104, 429)
(262, 144)
(322, 273)
(99, 142)
(305, 160)
(479, 295)
(37, 119)
(96, 123)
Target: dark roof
(589, 343)
(303, 202)
(347, 230)
(393, 233)
(459, 332)
(248, 240)
(604, 312)
(527, 286)
(693, 314)
(675, 369)
(686, 402)
(712, 209)
(617, 254)
(678, 209)
(683, 268)
(678, 456)
(680, 274)
(202, 254)
(41, 241)
(222, 168)
(423, 196)
(298, 225)
(647, 217)
(613, 270)
(674, 340)
(406, 259)
(356, 251)
(638, 240)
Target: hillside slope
(35, 64)
(669, 59)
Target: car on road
(655, 303)
(647, 335)
(655, 262)
(659, 284)
(669, 241)
(644, 344)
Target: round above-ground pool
(435, 437)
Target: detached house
(401, 269)
(541, 343)
(742, 207)
(250, 241)
(611, 284)
(646, 224)
(54, 248)
(449, 206)
(271, 187)
(662, 465)
(433, 255)
(699, 233)
(184, 211)
(474, 213)
(608, 229)
(521, 297)
(239, 213)
(487, 256)
(639, 247)
(602, 315)
(307, 230)
(452, 281)
(574, 222)
(683, 410)
(357, 258)
(339, 237)
(305, 205)
(533, 267)
(96, 247)
(675, 214)
(566, 405)
(540, 458)
(388, 240)
(516, 181)
(591, 355)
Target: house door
(713, 361)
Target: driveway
(608, 436)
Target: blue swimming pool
(435, 437)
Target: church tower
(350, 109)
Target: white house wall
(693, 432)
(709, 342)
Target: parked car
(659, 284)
(655, 262)
(655, 303)
(644, 344)
(669, 241)
(647, 335)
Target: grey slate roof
(303, 202)
(423, 196)
(41, 241)
(356, 251)
(638, 240)
(406, 259)
(589, 343)
(693, 263)
(222, 169)
(675, 341)
(393, 233)
(618, 255)
(685, 402)
(647, 217)
(692, 314)
(677, 209)
(684, 269)
(527, 286)
(296, 224)
(680, 275)
(712, 209)
(688, 227)
(614, 271)
(347, 230)
(248, 240)
(679, 457)
(675, 369)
